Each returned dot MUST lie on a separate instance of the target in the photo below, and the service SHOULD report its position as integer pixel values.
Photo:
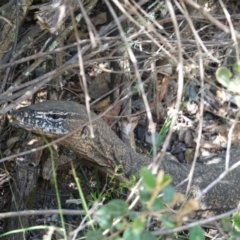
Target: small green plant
(231, 225)
(230, 80)
(116, 221)
(114, 188)
(162, 133)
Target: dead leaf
(189, 155)
(81, 35)
(99, 86)
(102, 104)
(100, 19)
(189, 139)
(163, 89)
(160, 93)
(127, 127)
(111, 115)
(223, 131)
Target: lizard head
(50, 118)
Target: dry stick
(73, 60)
(151, 29)
(227, 169)
(10, 10)
(81, 66)
(37, 63)
(197, 37)
(6, 93)
(40, 81)
(68, 65)
(41, 212)
(131, 55)
(195, 223)
(42, 54)
(52, 46)
(11, 32)
(134, 61)
(25, 43)
(163, 40)
(6, 20)
(154, 41)
(180, 17)
(211, 18)
(83, 226)
(87, 59)
(160, 156)
(201, 70)
(63, 68)
(199, 134)
(91, 28)
(233, 33)
(51, 15)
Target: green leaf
(147, 235)
(158, 204)
(94, 235)
(168, 194)
(148, 179)
(162, 134)
(236, 68)
(166, 180)
(223, 76)
(120, 226)
(134, 234)
(138, 225)
(145, 194)
(235, 233)
(234, 84)
(104, 218)
(196, 233)
(236, 221)
(227, 224)
(117, 208)
(114, 209)
(168, 222)
(133, 215)
(130, 234)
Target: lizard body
(106, 151)
(58, 118)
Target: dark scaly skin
(106, 151)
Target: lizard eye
(54, 116)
